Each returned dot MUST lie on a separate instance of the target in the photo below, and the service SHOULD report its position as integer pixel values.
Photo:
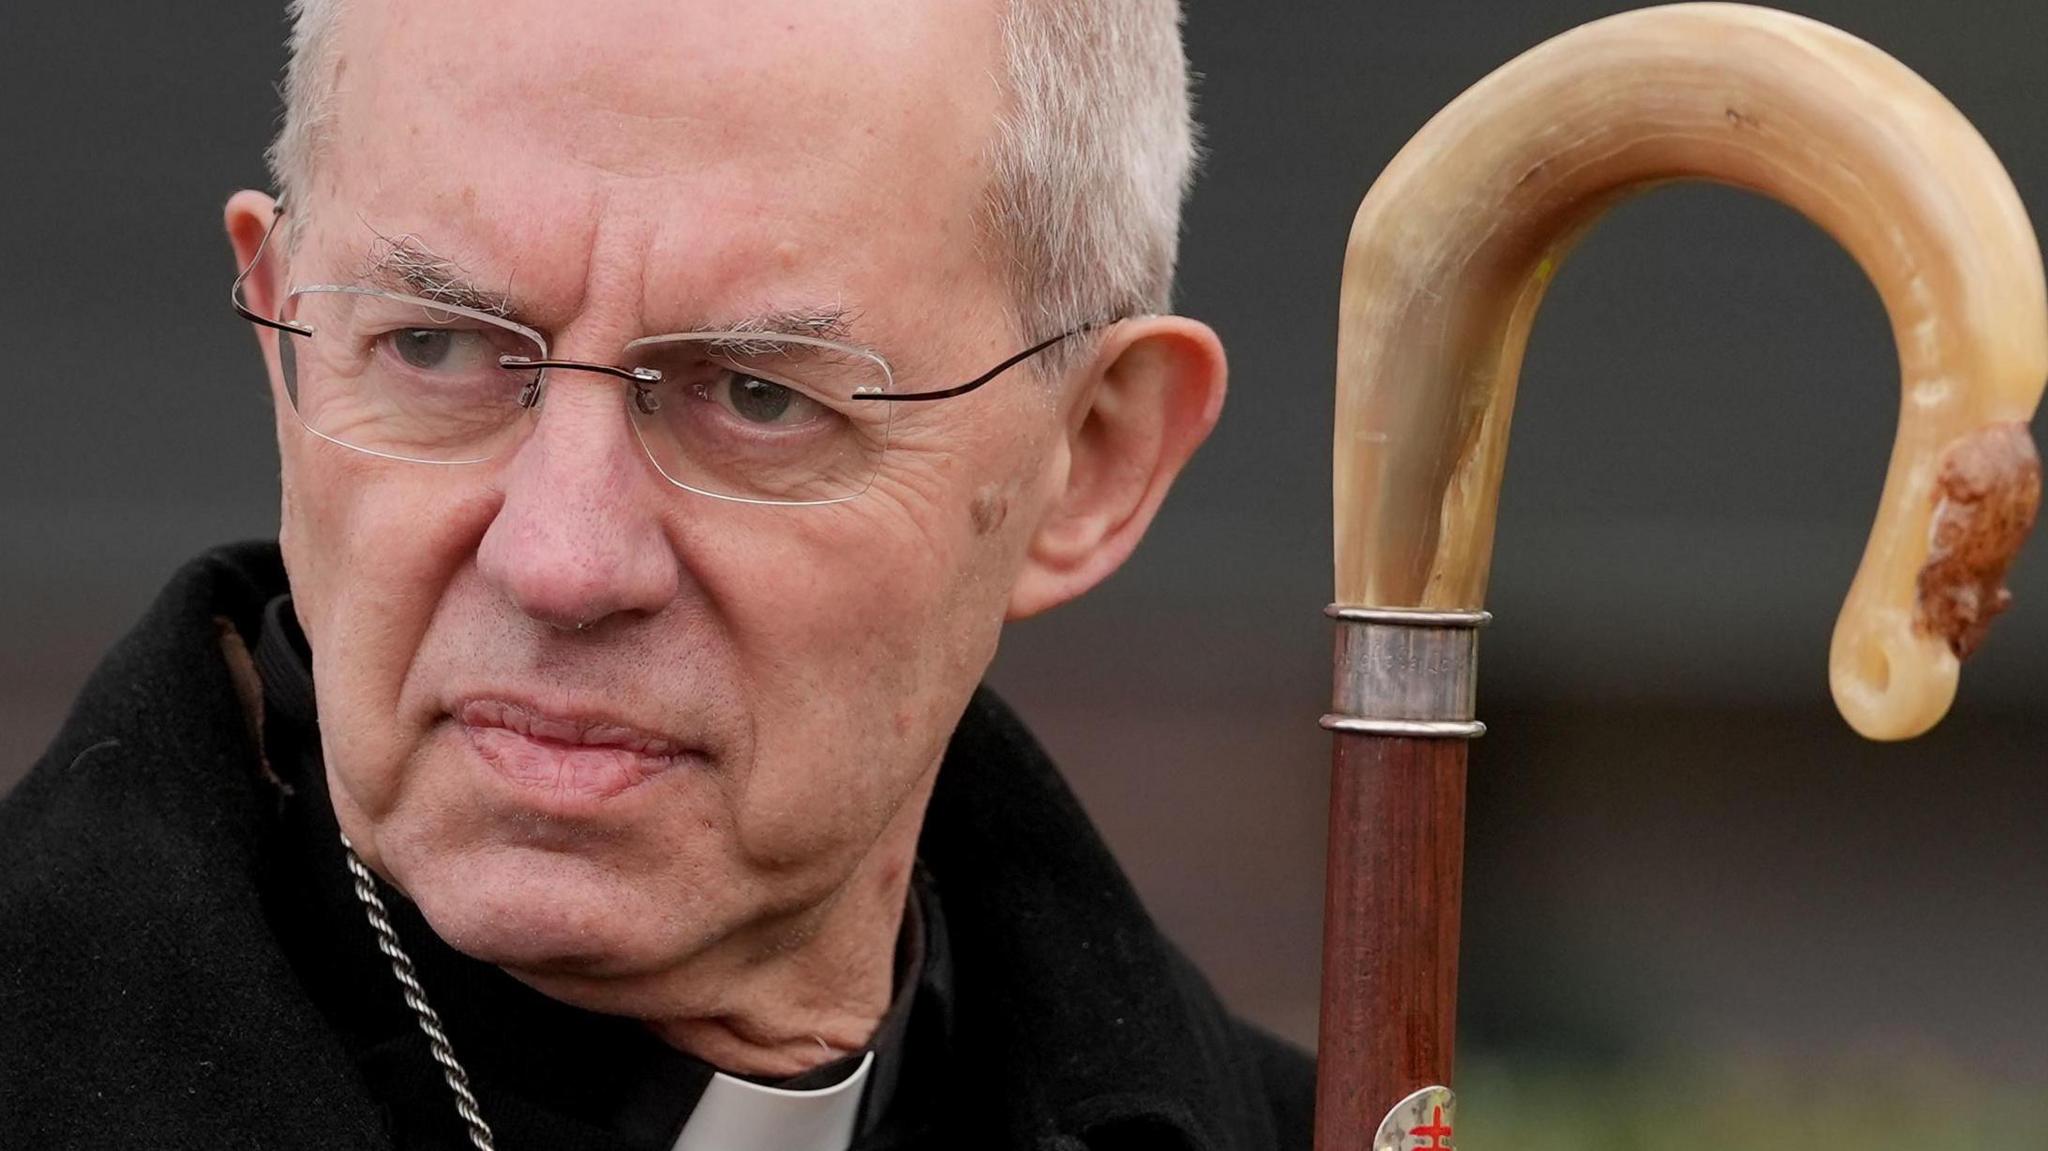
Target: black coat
(145, 1002)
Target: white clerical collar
(735, 1115)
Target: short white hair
(310, 76)
(1089, 164)
(1091, 160)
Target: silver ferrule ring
(1408, 617)
(1405, 672)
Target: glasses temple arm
(992, 373)
(235, 289)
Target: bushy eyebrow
(755, 334)
(407, 266)
(404, 264)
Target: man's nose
(579, 537)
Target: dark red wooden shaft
(1390, 930)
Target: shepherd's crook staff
(1448, 261)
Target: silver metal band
(1405, 672)
(1408, 617)
(1411, 728)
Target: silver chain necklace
(416, 998)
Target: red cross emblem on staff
(1436, 1131)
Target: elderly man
(673, 402)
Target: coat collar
(1113, 1037)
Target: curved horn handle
(1453, 249)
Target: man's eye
(759, 401)
(440, 349)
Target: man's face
(764, 691)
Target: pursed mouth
(569, 757)
(569, 732)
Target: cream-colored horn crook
(1453, 249)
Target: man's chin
(537, 913)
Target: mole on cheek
(988, 511)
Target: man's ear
(1149, 398)
(248, 216)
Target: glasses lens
(404, 378)
(752, 416)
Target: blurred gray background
(1677, 852)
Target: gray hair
(310, 77)
(1090, 161)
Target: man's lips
(570, 756)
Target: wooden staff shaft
(1390, 929)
